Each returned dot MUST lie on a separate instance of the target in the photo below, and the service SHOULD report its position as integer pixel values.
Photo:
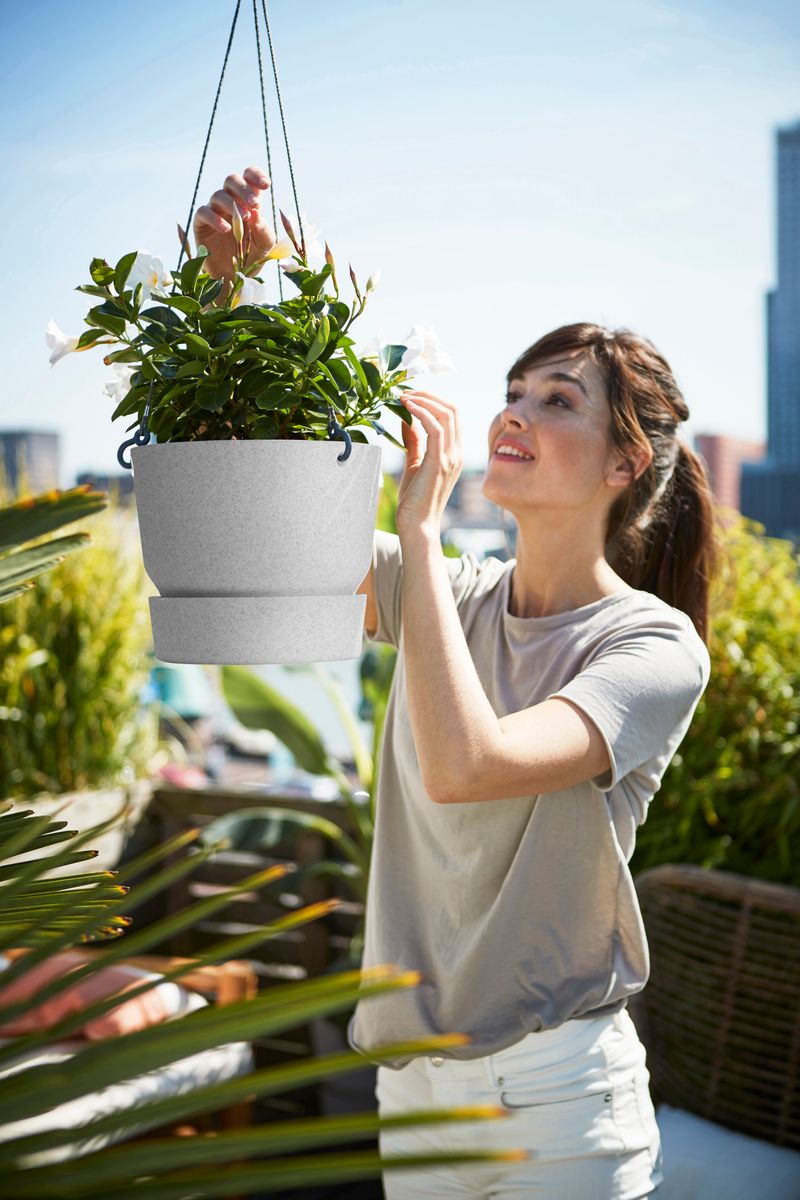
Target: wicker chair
(720, 1015)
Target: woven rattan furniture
(720, 1015)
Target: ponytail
(672, 550)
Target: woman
(535, 706)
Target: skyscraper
(770, 490)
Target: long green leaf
(37, 1089)
(35, 516)
(258, 705)
(263, 1178)
(268, 1081)
(262, 829)
(121, 1164)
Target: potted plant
(257, 505)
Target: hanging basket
(256, 548)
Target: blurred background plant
(73, 663)
(730, 798)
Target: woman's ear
(626, 469)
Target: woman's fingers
(224, 203)
(256, 178)
(235, 186)
(213, 222)
(206, 218)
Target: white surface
(705, 1161)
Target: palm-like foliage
(33, 517)
(48, 915)
(42, 915)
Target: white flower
(59, 342)
(373, 349)
(252, 292)
(423, 354)
(372, 282)
(119, 387)
(149, 271)
(291, 266)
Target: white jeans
(578, 1101)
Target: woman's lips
(512, 458)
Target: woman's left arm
(465, 752)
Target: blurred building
(30, 459)
(770, 490)
(724, 457)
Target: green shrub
(730, 798)
(73, 662)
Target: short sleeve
(641, 690)
(387, 577)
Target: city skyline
(500, 172)
(770, 490)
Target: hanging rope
(188, 225)
(266, 136)
(283, 119)
(142, 435)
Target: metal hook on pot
(140, 438)
(335, 430)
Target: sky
(510, 168)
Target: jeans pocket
(554, 1130)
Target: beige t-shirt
(521, 913)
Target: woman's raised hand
(212, 222)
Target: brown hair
(661, 535)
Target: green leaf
(339, 312)
(190, 273)
(374, 380)
(35, 516)
(101, 272)
(184, 303)
(108, 317)
(198, 344)
(211, 398)
(277, 397)
(195, 366)
(357, 366)
(393, 354)
(92, 289)
(320, 341)
(210, 292)
(90, 337)
(123, 270)
(341, 373)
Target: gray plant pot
(256, 548)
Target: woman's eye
(558, 396)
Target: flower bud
(287, 225)
(237, 225)
(372, 282)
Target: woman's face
(558, 412)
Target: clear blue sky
(510, 167)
